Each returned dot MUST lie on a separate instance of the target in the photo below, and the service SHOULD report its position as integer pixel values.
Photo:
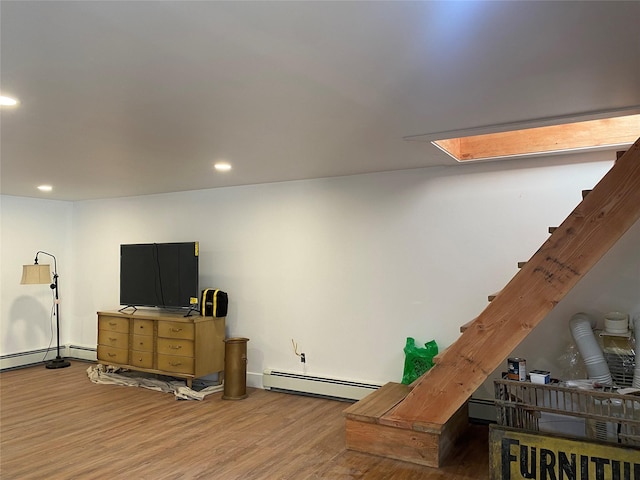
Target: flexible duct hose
(582, 332)
(636, 332)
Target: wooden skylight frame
(589, 134)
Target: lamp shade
(33, 274)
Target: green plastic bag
(417, 360)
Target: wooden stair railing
(433, 408)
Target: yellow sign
(516, 455)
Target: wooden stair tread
(372, 407)
(573, 248)
(462, 329)
(436, 359)
(435, 428)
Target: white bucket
(616, 322)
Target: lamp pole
(57, 362)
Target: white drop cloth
(119, 376)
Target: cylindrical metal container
(235, 368)
(517, 369)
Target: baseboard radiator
(289, 382)
(33, 357)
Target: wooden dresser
(160, 342)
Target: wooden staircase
(420, 423)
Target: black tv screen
(159, 275)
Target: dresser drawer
(113, 339)
(176, 330)
(142, 327)
(175, 364)
(141, 359)
(113, 355)
(113, 324)
(175, 346)
(143, 343)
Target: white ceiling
(124, 98)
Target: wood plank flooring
(56, 424)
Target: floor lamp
(41, 274)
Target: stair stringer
(593, 227)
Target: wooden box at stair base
(424, 444)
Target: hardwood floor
(57, 424)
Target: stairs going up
(421, 422)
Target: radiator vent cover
(337, 389)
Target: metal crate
(608, 417)
(622, 368)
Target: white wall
(613, 284)
(351, 266)
(26, 226)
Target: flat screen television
(163, 275)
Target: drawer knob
(175, 347)
(176, 329)
(175, 364)
(112, 339)
(112, 354)
(113, 324)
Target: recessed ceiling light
(45, 188)
(8, 101)
(222, 166)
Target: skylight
(591, 134)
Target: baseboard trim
(482, 410)
(479, 409)
(255, 380)
(32, 357)
(82, 353)
(39, 356)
